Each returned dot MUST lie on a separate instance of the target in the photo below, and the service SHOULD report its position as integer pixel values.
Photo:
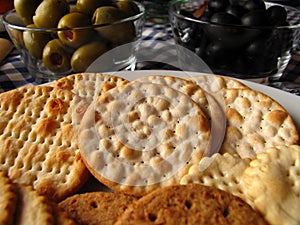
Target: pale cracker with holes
(255, 121)
(87, 87)
(221, 171)
(37, 142)
(142, 136)
(272, 183)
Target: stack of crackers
(200, 150)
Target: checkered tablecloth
(157, 51)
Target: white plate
(289, 101)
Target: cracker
(214, 83)
(32, 208)
(8, 200)
(190, 204)
(87, 87)
(272, 181)
(37, 142)
(221, 171)
(102, 208)
(255, 121)
(142, 136)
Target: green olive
(117, 33)
(75, 37)
(89, 6)
(56, 57)
(49, 12)
(25, 9)
(84, 56)
(35, 42)
(128, 7)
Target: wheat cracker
(8, 200)
(37, 142)
(96, 208)
(142, 136)
(272, 182)
(255, 121)
(214, 83)
(221, 171)
(190, 204)
(32, 208)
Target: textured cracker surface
(32, 208)
(87, 87)
(96, 208)
(8, 200)
(213, 83)
(183, 85)
(255, 121)
(190, 204)
(272, 182)
(137, 135)
(37, 141)
(221, 171)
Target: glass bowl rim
(135, 17)
(173, 12)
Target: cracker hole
(188, 204)
(152, 217)
(225, 213)
(94, 204)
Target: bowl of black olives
(58, 37)
(247, 39)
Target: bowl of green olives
(247, 39)
(57, 37)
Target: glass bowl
(237, 50)
(50, 53)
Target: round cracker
(102, 208)
(37, 142)
(272, 182)
(142, 136)
(255, 121)
(221, 171)
(214, 83)
(190, 204)
(8, 199)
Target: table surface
(157, 51)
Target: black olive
(224, 18)
(255, 18)
(254, 5)
(236, 10)
(277, 15)
(218, 5)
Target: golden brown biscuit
(190, 204)
(37, 142)
(8, 200)
(32, 208)
(96, 208)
